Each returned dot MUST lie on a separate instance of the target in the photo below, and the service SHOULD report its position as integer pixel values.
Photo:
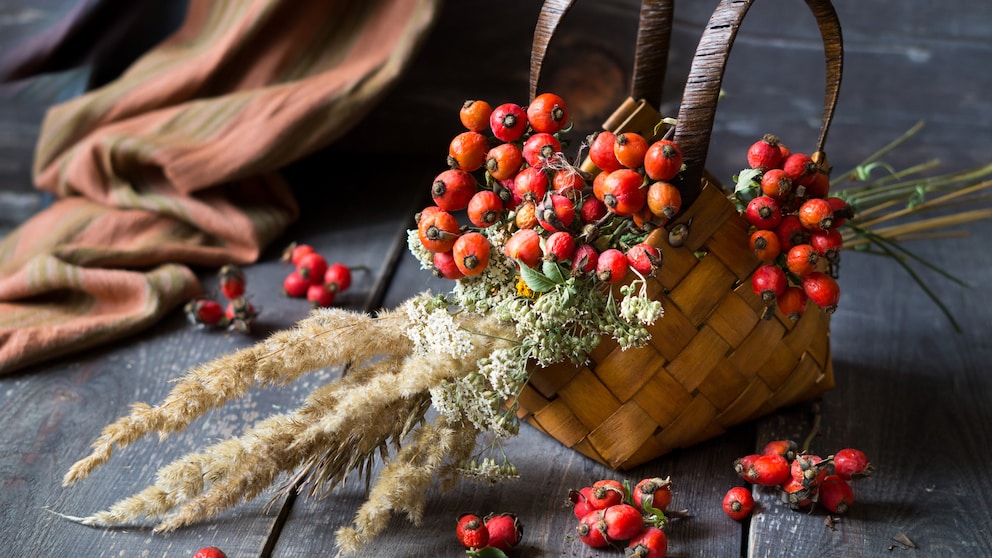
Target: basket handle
(695, 118)
(654, 32)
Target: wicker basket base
(713, 360)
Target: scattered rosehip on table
(205, 312)
(313, 278)
(232, 281)
(210, 552)
(738, 503)
(489, 537)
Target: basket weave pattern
(712, 362)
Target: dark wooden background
(910, 392)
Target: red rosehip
(540, 147)
(654, 492)
(623, 193)
(508, 122)
(295, 251)
(663, 160)
(738, 503)
(623, 522)
(531, 184)
(651, 543)
(580, 501)
(471, 531)
(792, 302)
(743, 464)
(799, 167)
(765, 153)
(790, 231)
(592, 210)
(769, 282)
(836, 494)
(802, 259)
(592, 530)
(764, 212)
(611, 267)
(504, 161)
(842, 210)
(240, 315)
(808, 469)
(644, 258)
(474, 115)
(467, 151)
(485, 208)
(818, 186)
(606, 493)
(765, 245)
(828, 243)
(629, 148)
(785, 448)
(584, 260)
(338, 277)
(471, 253)
(294, 285)
(816, 214)
(555, 212)
(320, 296)
(312, 268)
(452, 189)
(558, 247)
(775, 184)
(437, 229)
(568, 182)
(797, 495)
(850, 463)
(505, 531)
(525, 246)
(445, 268)
(547, 113)
(822, 289)
(232, 281)
(204, 312)
(601, 151)
(210, 552)
(768, 470)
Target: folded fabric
(175, 162)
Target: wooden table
(912, 393)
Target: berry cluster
(312, 277)
(612, 513)
(507, 172)
(490, 536)
(803, 479)
(785, 198)
(239, 313)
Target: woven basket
(717, 358)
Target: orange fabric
(174, 163)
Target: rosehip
(651, 543)
(828, 243)
(592, 210)
(792, 303)
(629, 148)
(850, 463)
(471, 253)
(467, 151)
(568, 182)
(452, 189)
(764, 212)
(611, 267)
(531, 184)
(663, 160)
(504, 161)
(474, 115)
(312, 268)
(471, 531)
(592, 530)
(743, 464)
(654, 492)
(210, 552)
(623, 193)
(547, 113)
(294, 285)
(580, 501)
(555, 212)
(790, 232)
(485, 208)
(558, 247)
(508, 122)
(738, 503)
(437, 230)
(526, 215)
(295, 251)
(765, 245)
(799, 167)
(240, 315)
(768, 282)
(775, 184)
(808, 469)
(765, 153)
(785, 448)
(601, 151)
(525, 246)
(836, 494)
(584, 260)
(539, 148)
(320, 296)
(623, 522)
(802, 259)
(338, 277)
(842, 210)
(768, 470)
(822, 289)
(644, 258)
(819, 185)
(797, 495)
(204, 312)
(505, 531)
(664, 200)
(444, 266)
(816, 214)
(232, 281)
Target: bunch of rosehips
(794, 227)
(802, 479)
(507, 171)
(312, 277)
(239, 313)
(612, 513)
(490, 536)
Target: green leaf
(536, 281)
(747, 179)
(553, 271)
(490, 552)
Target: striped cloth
(174, 163)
